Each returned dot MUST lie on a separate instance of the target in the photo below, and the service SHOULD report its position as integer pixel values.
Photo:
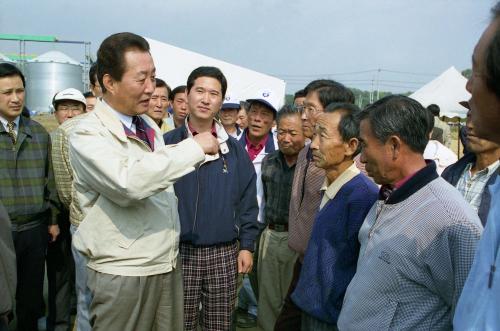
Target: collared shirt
(478, 304)
(277, 178)
(416, 251)
(304, 201)
(254, 150)
(193, 131)
(5, 122)
(27, 187)
(329, 191)
(125, 119)
(472, 186)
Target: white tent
(174, 64)
(446, 90)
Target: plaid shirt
(472, 186)
(27, 188)
(63, 172)
(277, 178)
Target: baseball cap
(268, 98)
(69, 94)
(231, 102)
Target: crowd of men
(177, 209)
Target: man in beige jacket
(123, 176)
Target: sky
(410, 41)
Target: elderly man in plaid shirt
(27, 191)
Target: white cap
(267, 97)
(69, 94)
(231, 102)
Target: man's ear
(351, 146)
(109, 83)
(395, 144)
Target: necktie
(140, 130)
(12, 133)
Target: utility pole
(378, 81)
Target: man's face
(475, 144)
(328, 148)
(242, 120)
(310, 113)
(290, 135)
(91, 101)
(299, 101)
(131, 95)
(484, 104)
(260, 120)
(179, 107)
(375, 155)
(205, 98)
(67, 109)
(11, 97)
(228, 116)
(158, 104)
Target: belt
(278, 227)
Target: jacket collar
(103, 111)
(269, 143)
(421, 178)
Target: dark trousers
(61, 281)
(30, 248)
(290, 317)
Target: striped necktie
(140, 130)
(12, 132)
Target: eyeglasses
(309, 110)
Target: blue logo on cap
(265, 94)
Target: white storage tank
(48, 74)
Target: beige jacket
(131, 224)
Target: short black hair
(492, 59)
(212, 72)
(111, 54)
(430, 121)
(330, 91)
(434, 109)
(88, 95)
(177, 90)
(93, 74)
(9, 70)
(300, 94)
(401, 116)
(349, 121)
(162, 83)
(287, 111)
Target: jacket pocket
(388, 317)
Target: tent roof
(5, 58)
(446, 90)
(55, 56)
(174, 64)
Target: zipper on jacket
(140, 141)
(197, 197)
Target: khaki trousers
(146, 303)
(275, 270)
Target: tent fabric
(174, 64)
(446, 90)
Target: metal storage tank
(48, 74)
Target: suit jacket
(8, 276)
(130, 223)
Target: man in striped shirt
(27, 191)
